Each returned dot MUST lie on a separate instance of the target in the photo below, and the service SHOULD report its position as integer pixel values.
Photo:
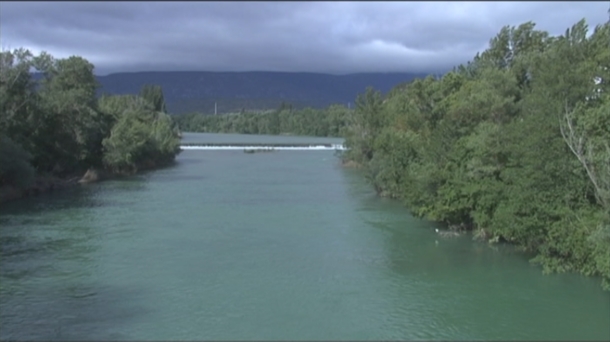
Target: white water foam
(276, 148)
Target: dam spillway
(262, 146)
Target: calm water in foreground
(285, 245)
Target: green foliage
(141, 138)
(284, 120)
(514, 145)
(15, 167)
(154, 95)
(69, 105)
(18, 99)
(59, 127)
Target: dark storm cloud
(336, 37)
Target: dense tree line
(222, 105)
(514, 145)
(285, 120)
(58, 127)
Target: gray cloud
(335, 37)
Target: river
(285, 245)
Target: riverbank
(554, 264)
(45, 183)
(40, 185)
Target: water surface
(274, 246)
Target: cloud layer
(333, 37)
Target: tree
(154, 95)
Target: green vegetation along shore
(514, 145)
(55, 130)
(329, 122)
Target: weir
(262, 146)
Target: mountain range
(225, 92)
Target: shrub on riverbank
(142, 137)
(56, 126)
(514, 144)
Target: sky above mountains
(326, 37)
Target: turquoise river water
(286, 245)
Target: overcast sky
(329, 37)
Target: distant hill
(197, 91)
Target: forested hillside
(515, 145)
(57, 127)
(228, 92)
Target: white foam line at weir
(279, 148)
